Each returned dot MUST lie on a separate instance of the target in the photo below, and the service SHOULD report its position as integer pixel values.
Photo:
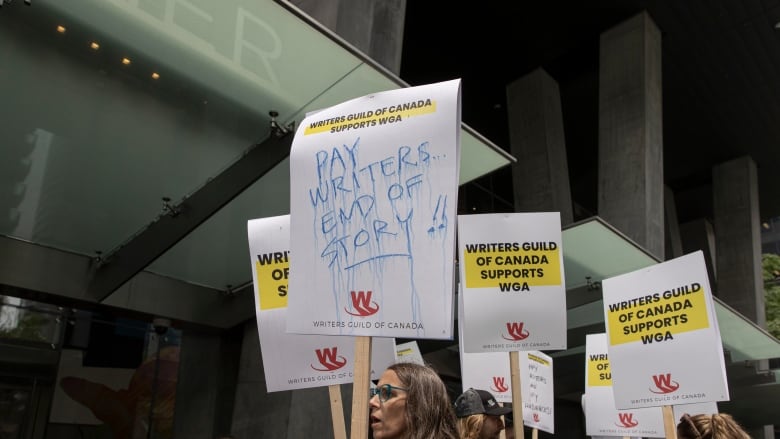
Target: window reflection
(28, 321)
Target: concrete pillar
(205, 389)
(541, 174)
(259, 414)
(631, 177)
(673, 244)
(375, 27)
(699, 235)
(738, 237)
(387, 38)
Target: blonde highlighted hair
(471, 426)
(717, 426)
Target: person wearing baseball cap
(479, 415)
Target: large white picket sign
(601, 416)
(484, 370)
(663, 336)
(514, 294)
(373, 198)
(293, 361)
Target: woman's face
(387, 417)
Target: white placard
(602, 437)
(408, 352)
(484, 370)
(601, 416)
(514, 294)
(536, 383)
(293, 361)
(373, 198)
(663, 336)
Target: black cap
(477, 402)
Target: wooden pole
(535, 433)
(517, 395)
(670, 424)
(360, 386)
(337, 412)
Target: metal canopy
(112, 107)
(594, 249)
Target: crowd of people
(410, 401)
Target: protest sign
(537, 387)
(601, 416)
(292, 361)
(514, 294)
(409, 352)
(483, 370)
(663, 336)
(373, 198)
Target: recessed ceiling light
(61, 29)
(94, 46)
(155, 75)
(126, 61)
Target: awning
(125, 111)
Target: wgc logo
(536, 417)
(499, 385)
(516, 332)
(626, 420)
(362, 306)
(329, 359)
(664, 384)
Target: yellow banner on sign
(272, 284)
(657, 317)
(372, 118)
(507, 269)
(599, 373)
(538, 359)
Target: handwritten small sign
(536, 369)
(663, 336)
(293, 361)
(514, 294)
(373, 198)
(409, 352)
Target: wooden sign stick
(360, 386)
(670, 424)
(337, 412)
(517, 394)
(535, 433)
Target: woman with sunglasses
(410, 401)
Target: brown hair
(717, 426)
(429, 413)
